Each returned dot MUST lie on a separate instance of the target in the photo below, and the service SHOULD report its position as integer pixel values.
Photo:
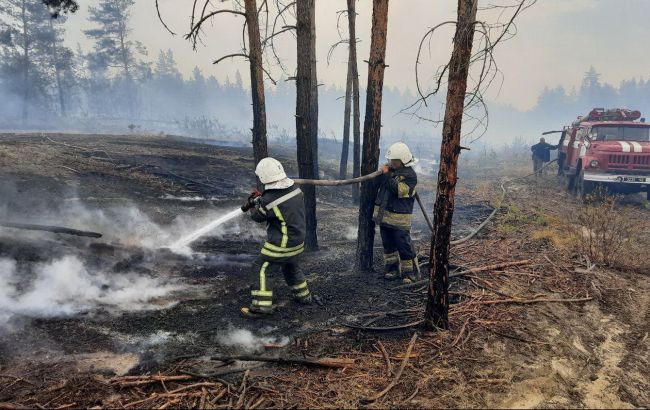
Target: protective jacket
(283, 210)
(394, 204)
(542, 150)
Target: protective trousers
(399, 256)
(538, 164)
(293, 276)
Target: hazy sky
(557, 41)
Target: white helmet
(400, 151)
(269, 170)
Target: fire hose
(321, 182)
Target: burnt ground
(165, 177)
(592, 353)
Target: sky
(556, 42)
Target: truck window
(609, 133)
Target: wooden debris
(392, 384)
(322, 362)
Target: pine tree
(114, 46)
(33, 57)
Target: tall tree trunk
(26, 62)
(126, 68)
(356, 156)
(260, 148)
(343, 166)
(436, 314)
(57, 71)
(371, 133)
(307, 111)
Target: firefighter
(393, 211)
(541, 154)
(281, 206)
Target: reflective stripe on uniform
(263, 276)
(407, 265)
(302, 294)
(262, 293)
(403, 190)
(390, 258)
(267, 303)
(271, 247)
(272, 254)
(283, 198)
(285, 231)
(400, 221)
(299, 286)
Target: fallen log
(332, 362)
(48, 228)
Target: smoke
(65, 287)
(245, 340)
(124, 224)
(350, 233)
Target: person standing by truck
(541, 155)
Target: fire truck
(609, 149)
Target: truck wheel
(584, 188)
(647, 195)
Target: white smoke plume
(64, 287)
(245, 340)
(350, 233)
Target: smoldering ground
(45, 275)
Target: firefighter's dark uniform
(393, 213)
(541, 154)
(283, 211)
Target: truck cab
(608, 148)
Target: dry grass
(610, 234)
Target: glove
(251, 201)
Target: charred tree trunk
(436, 315)
(307, 111)
(260, 149)
(343, 167)
(356, 155)
(371, 133)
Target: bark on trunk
(57, 71)
(371, 133)
(436, 314)
(125, 67)
(343, 167)
(26, 62)
(356, 160)
(260, 148)
(307, 112)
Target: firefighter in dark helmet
(393, 211)
(281, 207)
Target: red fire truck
(608, 148)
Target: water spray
(181, 245)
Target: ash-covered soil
(135, 190)
(554, 332)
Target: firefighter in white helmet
(393, 211)
(281, 206)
